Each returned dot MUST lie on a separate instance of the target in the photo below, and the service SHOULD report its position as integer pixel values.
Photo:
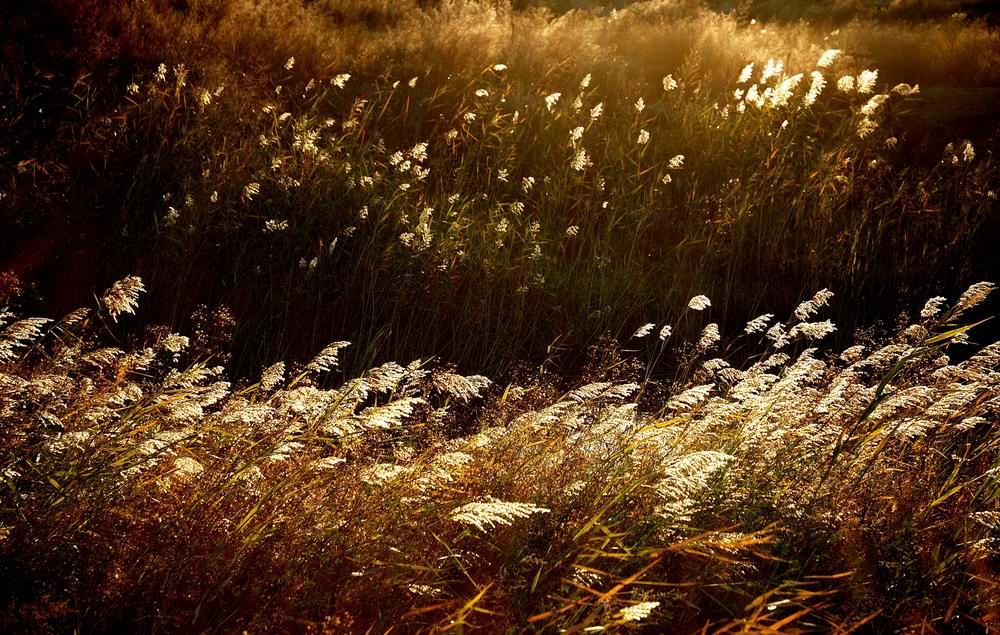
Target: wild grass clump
(807, 490)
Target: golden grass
(534, 195)
(141, 492)
(802, 204)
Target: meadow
(359, 316)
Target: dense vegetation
(567, 219)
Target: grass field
(358, 316)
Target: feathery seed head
(709, 337)
(866, 81)
(123, 296)
(272, 376)
(873, 104)
(812, 330)
(18, 334)
(772, 69)
(827, 58)
(327, 358)
(933, 307)
(817, 86)
(551, 100)
(758, 324)
(972, 296)
(699, 303)
(581, 160)
(812, 306)
(494, 513)
(638, 612)
(690, 398)
(644, 330)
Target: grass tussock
(808, 490)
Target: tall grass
(458, 255)
(567, 219)
(806, 491)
